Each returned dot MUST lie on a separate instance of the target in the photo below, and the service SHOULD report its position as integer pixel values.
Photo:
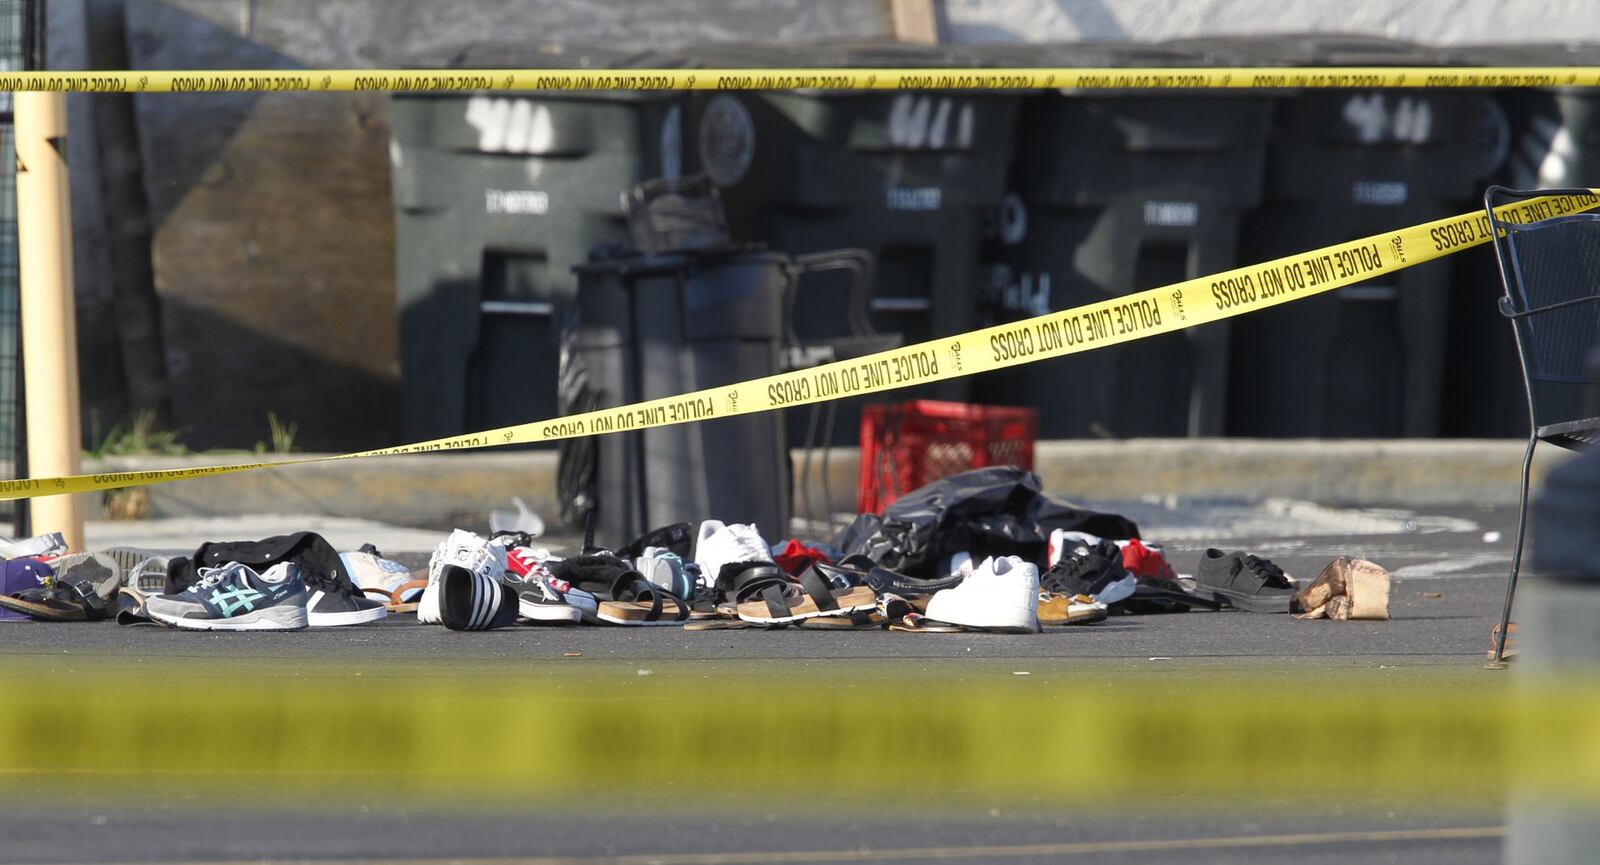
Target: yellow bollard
(49, 324)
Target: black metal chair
(1550, 267)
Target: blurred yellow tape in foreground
(457, 80)
(1025, 739)
(1118, 320)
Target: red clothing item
(796, 557)
(1141, 561)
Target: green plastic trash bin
(1366, 360)
(912, 177)
(497, 196)
(1112, 193)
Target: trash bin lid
(1088, 55)
(1533, 54)
(1109, 55)
(521, 55)
(1315, 49)
(831, 55)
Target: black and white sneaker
(331, 608)
(540, 601)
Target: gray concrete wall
(440, 490)
(1438, 22)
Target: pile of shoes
(984, 550)
(281, 583)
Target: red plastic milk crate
(905, 445)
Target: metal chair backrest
(1550, 266)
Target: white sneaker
(467, 551)
(723, 544)
(1001, 595)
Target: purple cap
(19, 575)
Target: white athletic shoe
(466, 551)
(723, 544)
(236, 598)
(1001, 595)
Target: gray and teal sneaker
(236, 598)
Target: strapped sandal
(753, 582)
(637, 601)
(703, 604)
(74, 601)
(816, 597)
(1070, 609)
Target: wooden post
(49, 323)
(914, 21)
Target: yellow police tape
(457, 80)
(695, 735)
(1122, 319)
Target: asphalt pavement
(1449, 571)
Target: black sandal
(74, 601)
(817, 598)
(637, 601)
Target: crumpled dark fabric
(602, 574)
(994, 511)
(320, 565)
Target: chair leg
(1516, 551)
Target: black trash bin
(497, 196)
(652, 326)
(1109, 194)
(910, 176)
(1366, 360)
(1531, 138)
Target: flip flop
(131, 611)
(916, 623)
(853, 622)
(816, 598)
(721, 624)
(392, 601)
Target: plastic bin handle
(863, 270)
